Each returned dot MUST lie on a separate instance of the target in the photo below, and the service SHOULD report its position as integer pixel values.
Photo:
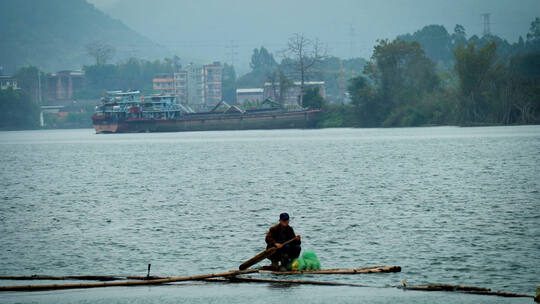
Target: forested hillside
(53, 35)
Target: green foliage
(17, 110)
(313, 99)
(439, 45)
(363, 97)
(28, 79)
(399, 77)
(131, 74)
(403, 88)
(534, 31)
(337, 116)
(477, 71)
(53, 34)
(521, 94)
(81, 118)
(229, 83)
(262, 66)
(262, 60)
(435, 40)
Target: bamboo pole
(124, 283)
(373, 269)
(263, 255)
(146, 277)
(242, 279)
(465, 289)
(54, 278)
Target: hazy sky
(203, 29)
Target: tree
(401, 73)
(362, 94)
(262, 59)
(272, 78)
(533, 36)
(523, 90)
(262, 65)
(534, 31)
(17, 110)
(174, 62)
(459, 30)
(313, 99)
(100, 51)
(476, 70)
(284, 85)
(435, 41)
(229, 83)
(459, 36)
(135, 74)
(31, 80)
(303, 54)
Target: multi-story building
(212, 83)
(292, 94)
(181, 86)
(163, 84)
(8, 82)
(63, 84)
(196, 85)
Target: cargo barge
(128, 112)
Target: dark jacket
(278, 234)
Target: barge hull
(291, 120)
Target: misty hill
(52, 35)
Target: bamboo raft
(155, 280)
(237, 276)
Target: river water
(449, 205)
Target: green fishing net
(308, 261)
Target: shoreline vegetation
(428, 78)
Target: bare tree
(272, 78)
(101, 51)
(284, 85)
(303, 53)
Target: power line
(487, 24)
(352, 42)
(232, 51)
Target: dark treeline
(130, 74)
(476, 81)
(18, 110)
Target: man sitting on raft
(276, 236)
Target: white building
(251, 95)
(8, 82)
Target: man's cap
(284, 216)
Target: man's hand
(278, 245)
(298, 237)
